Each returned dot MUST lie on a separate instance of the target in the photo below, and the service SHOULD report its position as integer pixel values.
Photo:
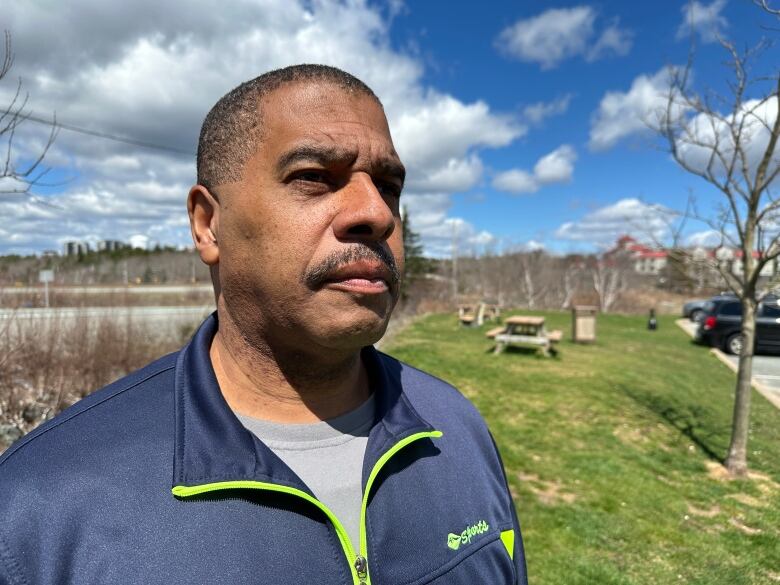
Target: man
(278, 446)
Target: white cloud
(560, 33)
(483, 238)
(440, 234)
(150, 71)
(452, 176)
(554, 167)
(533, 246)
(537, 112)
(706, 238)
(433, 130)
(12, 185)
(603, 226)
(613, 40)
(754, 118)
(622, 114)
(139, 241)
(516, 181)
(706, 20)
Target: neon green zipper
(359, 566)
(372, 476)
(185, 491)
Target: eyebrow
(331, 155)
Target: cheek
(396, 244)
(276, 246)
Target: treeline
(125, 266)
(538, 280)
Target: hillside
(612, 452)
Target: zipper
(365, 578)
(358, 567)
(346, 545)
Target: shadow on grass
(530, 351)
(694, 421)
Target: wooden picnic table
(523, 330)
(477, 313)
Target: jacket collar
(212, 445)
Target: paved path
(153, 321)
(766, 369)
(130, 289)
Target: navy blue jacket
(154, 480)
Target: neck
(284, 385)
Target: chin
(355, 333)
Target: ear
(203, 209)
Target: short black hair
(231, 131)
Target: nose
(363, 214)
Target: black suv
(721, 325)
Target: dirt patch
(709, 513)
(747, 500)
(629, 435)
(765, 483)
(767, 486)
(773, 576)
(717, 472)
(549, 493)
(744, 528)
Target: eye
(388, 188)
(313, 176)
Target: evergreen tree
(416, 265)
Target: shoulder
(94, 419)
(436, 400)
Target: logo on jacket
(455, 540)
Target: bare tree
(765, 5)
(535, 267)
(15, 178)
(730, 141)
(570, 282)
(609, 280)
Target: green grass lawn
(612, 451)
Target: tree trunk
(736, 461)
(529, 289)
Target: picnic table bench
(477, 314)
(525, 331)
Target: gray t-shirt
(327, 456)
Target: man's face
(310, 243)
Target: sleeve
(519, 550)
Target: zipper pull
(361, 566)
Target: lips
(363, 276)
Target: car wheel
(734, 343)
(697, 315)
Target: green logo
(455, 540)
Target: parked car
(721, 325)
(694, 310)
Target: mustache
(318, 274)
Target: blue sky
(500, 112)
(470, 67)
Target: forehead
(317, 113)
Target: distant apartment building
(76, 248)
(703, 266)
(728, 257)
(643, 259)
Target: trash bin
(583, 323)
